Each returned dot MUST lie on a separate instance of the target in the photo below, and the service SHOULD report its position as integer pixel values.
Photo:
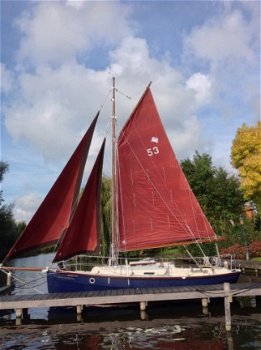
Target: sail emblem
(154, 139)
(154, 149)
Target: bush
(239, 251)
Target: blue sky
(57, 59)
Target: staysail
(53, 215)
(156, 206)
(82, 234)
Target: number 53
(152, 151)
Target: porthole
(92, 280)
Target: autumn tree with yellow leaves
(246, 158)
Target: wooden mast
(114, 187)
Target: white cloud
(228, 45)
(201, 85)
(222, 38)
(54, 32)
(75, 3)
(6, 79)
(188, 139)
(55, 104)
(58, 93)
(177, 99)
(25, 206)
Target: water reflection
(170, 337)
(132, 338)
(130, 333)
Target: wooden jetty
(249, 265)
(21, 303)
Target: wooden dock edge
(137, 296)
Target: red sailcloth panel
(53, 215)
(82, 234)
(156, 206)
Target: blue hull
(64, 281)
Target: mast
(114, 187)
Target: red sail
(82, 234)
(156, 206)
(53, 215)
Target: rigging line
(25, 283)
(117, 199)
(32, 287)
(188, 187)
(160, 176)
(190, 193)
(206, 222)
(105, 100)
(192, 257)
(156, 170)
(121, 209)
(167, 206)
(202, 251)
(123, 94)
(232, 292)
(148, 177)
(253, 286)
(23, 279)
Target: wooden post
(143, 315)
(9, 279)
(18, 321)
(205, 302)
(230, 342)
(18, 316)
(227, 301)
(143, 305)
(18, 313)
(79, 318)
(79, 309)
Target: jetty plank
(122, 296)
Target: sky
(57, 63)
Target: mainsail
(53, 215)
(156, 206)
(82, 234)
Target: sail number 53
(152, 151)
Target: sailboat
(153, 206)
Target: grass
(258, 258)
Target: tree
(21, 225)
(8, 230)
(199, 174)
(246, 158)
(105, 214)
(3, 169)
(218, 192)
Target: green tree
(105, 214)
(21, 225)
(199, 173)
(8, 229)
(218, 193)
(246, 158)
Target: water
(172, 325)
